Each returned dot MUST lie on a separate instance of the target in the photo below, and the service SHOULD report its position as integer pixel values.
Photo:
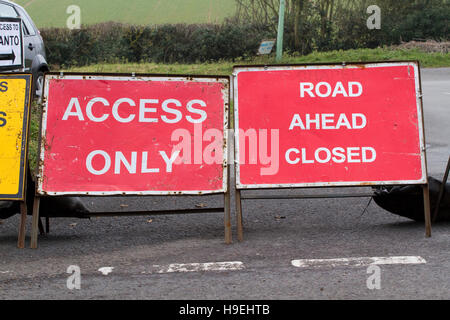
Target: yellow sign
(14, 114)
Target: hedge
(114, 42)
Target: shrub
(110, 42)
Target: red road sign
(105, 135)
(329, 125)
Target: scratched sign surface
(14, 101)
(328, 125)
(104, 135)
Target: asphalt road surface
(163, 257)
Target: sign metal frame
(414, 64)
(21, 196)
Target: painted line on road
(357, 262)
(198, 267)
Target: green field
(52, 13)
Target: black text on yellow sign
(14, 116)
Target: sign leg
(22, 227)
(35, 223)
(239, 224)
(47, 225)
(227, 219)
(441, 191)
(426, 203)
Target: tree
(342, 24)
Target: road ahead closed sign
(11, 43)
(14, 101)
(301, 126)
(105, 135)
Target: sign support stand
(22, 226)
(227, 212)
(426, 203)
(280, 31)
(426, 187)
(240, 197)
(227, 196)
(35, 222)
(23, 212)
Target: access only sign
(106, 135)
(329, 125)
(11, 43)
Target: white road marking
(106, 270)
(198, 267)
(4, 272)
(357, 262)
